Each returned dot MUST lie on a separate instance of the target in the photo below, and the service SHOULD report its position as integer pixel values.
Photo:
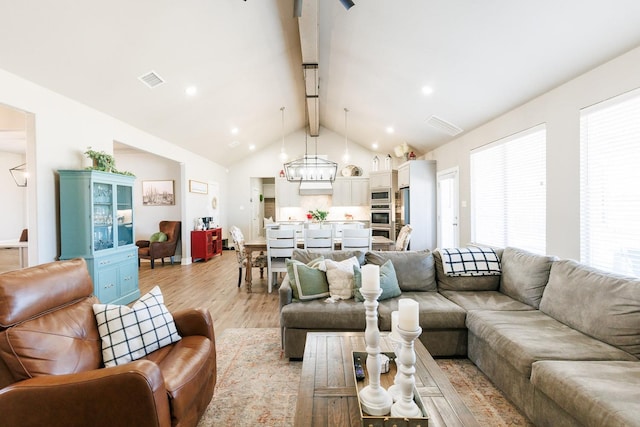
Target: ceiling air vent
(443, 126)
(151, 79)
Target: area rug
(257, 386)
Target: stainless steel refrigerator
(416, 202)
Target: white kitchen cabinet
(383, 179)
(350, 192)
(404, 174)
(287, 194)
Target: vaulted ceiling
(480, 59)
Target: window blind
(508, 191)
(610, 184)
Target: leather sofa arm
(132, 394)
(143, 243)
(194, 321)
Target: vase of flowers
(319, 215)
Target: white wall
(266, 163)
(63, 129)
(560, 110)
(13, 217)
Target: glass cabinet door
(124, 215)
(102, 216)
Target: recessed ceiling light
(390, 129)
(191, 90)
(252, 147)
(374, 145)
(427, 90)
(234, 131)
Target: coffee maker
(207, 221)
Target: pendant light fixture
(283, 153)
(311, 170)
(346, 157)
(19, 174)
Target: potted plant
(318, 215)
(103, 162)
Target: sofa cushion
(525, 337)
(307, 255)
(340, 277)
(129, 333)
(524, 275)
(434, 311)
(414, 269)
(347, 315)
(308, 281)
(603, 305)
(594, 393)
(484, 300)
(65, 341)
(464, 283)
(388, 282)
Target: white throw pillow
(131, 333)
(340, 277)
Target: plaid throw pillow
(471, 261)
(131, 333)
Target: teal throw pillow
(308, 281)
(158, 237)
(388, 282)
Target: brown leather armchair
(51, 370)
(154, 250)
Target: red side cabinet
(206, 244)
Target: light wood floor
(214, 286)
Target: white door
(256, 209)
(448, 236)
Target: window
(610, 184)
(508, 191)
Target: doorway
(16, 135)
(447, 203)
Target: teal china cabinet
(96, 223)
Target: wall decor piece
(198, 187)
(158, 193)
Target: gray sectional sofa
(560, 339)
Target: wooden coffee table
(327, 393)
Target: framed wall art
(198, 187)
(158, 193)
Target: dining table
(378, 243)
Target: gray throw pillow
(388, 282)
(415, 269)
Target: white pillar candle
(407, 314)
(370, 277)
(394, 323)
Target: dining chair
(318, 239)
(259, 261)
(280, 246)
(339, 226)
(297, 227)
(356, 239)
(404, 235)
